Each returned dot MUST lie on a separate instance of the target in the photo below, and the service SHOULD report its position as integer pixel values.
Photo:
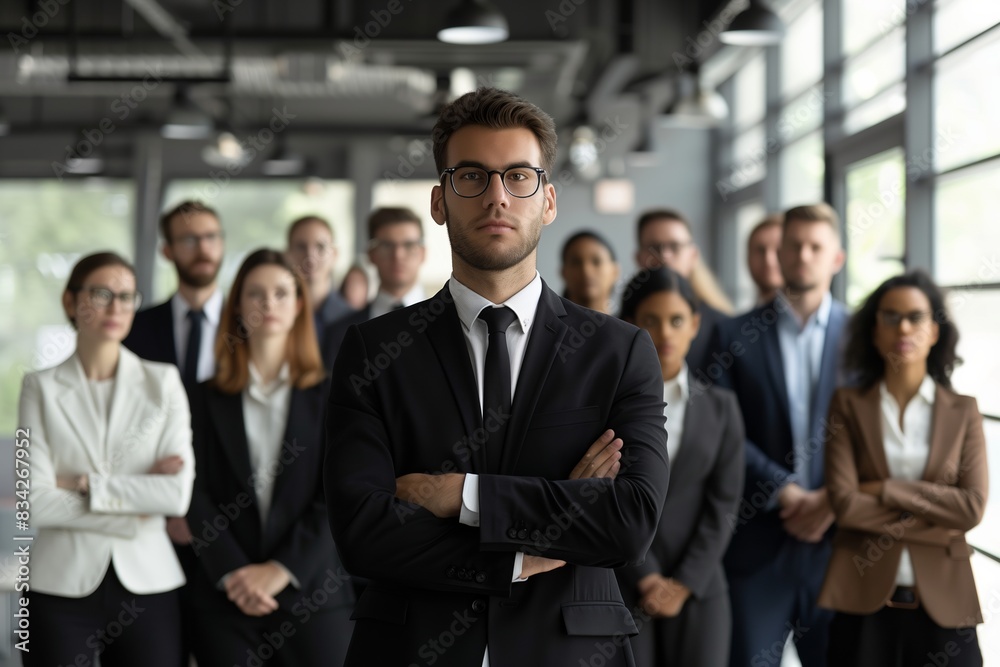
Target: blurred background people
(589, 271)
(111, 455)
(313, 253)
(906, 471)
(258, 513)
(354, 287)
(665, 240)
(681, 584)
(762, 258)
(396, 248)
(783, 362)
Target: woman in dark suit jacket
(684, 615)
(270, 589)
(906, 473)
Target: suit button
(462, 574)
(906, 516)
(522, 534)
(479, 605)
(480, 577)
(512, 533)
(451, 572)
(536, 535)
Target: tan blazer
(929, 516)
(122, 522)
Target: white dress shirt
(907, 449)
(384, 303)
(469, 304)
(265, 414)
(209, 327)
(675, 395)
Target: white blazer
(122, 521)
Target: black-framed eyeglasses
(672, 247)
(891, 318)
(192, 241)
(520, 182)
(388, 248)
(101, 297)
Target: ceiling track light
(474, 22)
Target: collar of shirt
(212, 308)
(926, 392)
(469, 304)
(383, 301)
(677, 388)
(788, 316)
(262, 391)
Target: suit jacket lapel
(776, 369)
(304, 412)
(446, 337)
(868, 408)
(547, 333)
(946, 421)
(227, 415)
(126, 407)
(78, 410)
(829, 371)
(696, 422)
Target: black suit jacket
(224, 519)
(152, 334)
(404, 400)
(332, 309)
(699, 355)
(706, 479)
(334, 334)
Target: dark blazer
(750, 364)
(929, 516)
(700, 353)
(706, 478)
(404, 400)
(152, 334)
(334, 334)
(332, 309)
(224, 519)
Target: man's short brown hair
(392, 215)
(185, 208)
(498, 110)
(821, 212)
(305, 220)
(649, 217)
(772, 220)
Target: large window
(47, 226)
(256, 214)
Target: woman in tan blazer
(108, 438)
(906, 473)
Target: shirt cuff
(291, 577)
(518, 566)
(469, 515)
(222, 582)
(772, 502)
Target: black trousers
(123, 628)
(699, 636)
(900, 638)
(228, 638)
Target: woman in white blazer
(110, 457)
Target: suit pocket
(590, 413)
(598, 619)
(380, 606)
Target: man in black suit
(396, 249)
(312, 251)
(665, 240)
(501, 386)
(193, 242)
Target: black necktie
(496, 383)
(398, 306)
(190, 373)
